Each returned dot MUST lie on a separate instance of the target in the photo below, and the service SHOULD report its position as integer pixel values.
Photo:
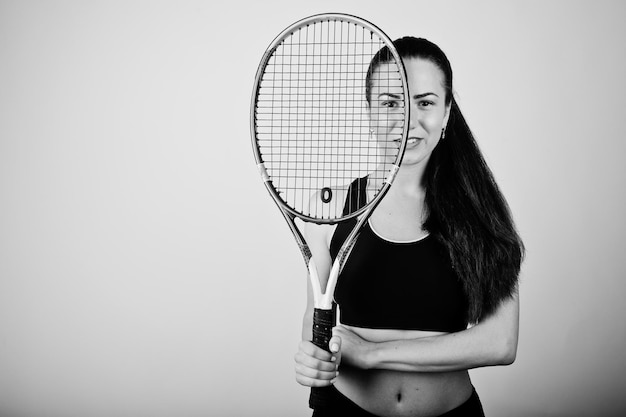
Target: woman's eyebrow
(422, 95)
(396, 96)
(415, 97)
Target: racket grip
(323, 323)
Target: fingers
(314, 366)
(310, 349)
(314, 378)
(315, 363)
(313, 383)
(335, 344)
(314, 357)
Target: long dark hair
(465, 209)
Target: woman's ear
(446, 116)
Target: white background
(144, 270)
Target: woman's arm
(491, 342)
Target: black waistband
(342, 406)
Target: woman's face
(429, 112)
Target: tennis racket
(314, 133)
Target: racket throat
(323, 299)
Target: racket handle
(323, 323)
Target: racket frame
(323, 298)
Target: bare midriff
(390, 393)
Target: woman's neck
(401, 212)
(408, 182)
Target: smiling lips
(410, 141)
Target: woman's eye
(426, 103)
(389, 103)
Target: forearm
(489, 343)
(445, 353)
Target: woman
(440, 255)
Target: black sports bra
(396, 285)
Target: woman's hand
(354, 349)
(316, 367)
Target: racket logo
(326, 195)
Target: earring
(371, 133)
(443, 133)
